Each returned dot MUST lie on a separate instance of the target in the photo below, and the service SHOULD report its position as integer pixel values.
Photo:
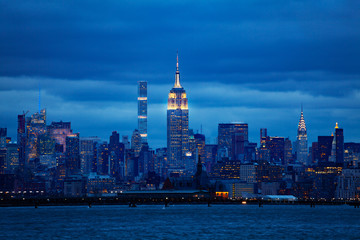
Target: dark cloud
(254, 61)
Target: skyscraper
(228, 134)
(324, 148)
(177, 124)
(59, 131)
(142, 110)
(72, 160)
(21, 139)
(339, 135)
(301, 140)
(35, 126)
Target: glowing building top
(302, 125)
(177, 97)
(302, 149)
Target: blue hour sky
(240, 61)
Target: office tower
(46, 145)
(352, 153)
(116, 152)
(87, 154)
(12, 156)
(3, 151)
(46, 150)
(136, 142)
(21, 139)
(324, 148)
(276, 146)
(125, 141)
(146, 161)
(200, 146)
(3, 133)
(314, 153)
(301, 140)
(103, 158)
(142, 110)
(59, 131)
(339, 135)
(35, 126)
(72, 159)
(210, 156)
(177, 124)
(3, 166)
(239, 143)
(263, 135)
(288, 157)
(160, 161)
(228, 134)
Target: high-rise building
(302, 143)
(87, 154)
(263, 135)
(103, 159)
(72, 161)
(3, 133)
(116, 152)
(177, 124)
(136, 142)
(324, 148)
(228, 135)
(12, 155)
(35, 126)
(142, 110)
(276, 146)
(339, 135)
(200, 146)
(288, 157)
(59, 131)
(21, 139)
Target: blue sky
(249, 61)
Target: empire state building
(177, 124)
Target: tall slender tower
(177, 124)
(302, 148)
(339, 135)
(142, 111)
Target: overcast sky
(243, 61)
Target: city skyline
(251, 62)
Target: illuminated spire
(302, 125)
(337, 126)
(177, 75)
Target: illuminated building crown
(302, 125)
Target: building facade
(228, 135)
(177, 124)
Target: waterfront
(180, 222)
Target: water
(180, 222)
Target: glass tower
(142, 111)
(177, 124)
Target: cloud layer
(252, 61)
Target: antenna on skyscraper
(301, 107)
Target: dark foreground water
(180, 222)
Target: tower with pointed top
(177, 124)
(301, 141)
